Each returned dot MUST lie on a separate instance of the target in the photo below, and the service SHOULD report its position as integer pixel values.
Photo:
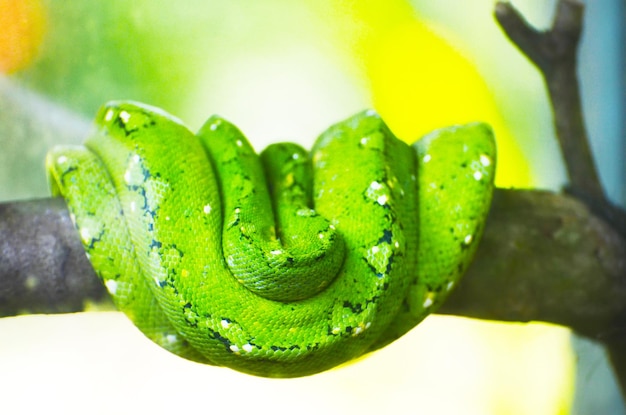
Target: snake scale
(282, 264)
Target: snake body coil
(281, 265)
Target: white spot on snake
(370, 113)
(225, 323)
(109, 115)
(396, 244)
(468, 239)
(171, 338)
(215, 124)
(111, 286)
(320, 235)
(206, 209)
(426, 158)
(364, 140)
(375, 249)
(85, 234)
(234, 348)
(331, 227)
(239, 143)
(413, 178)
(125, 116)
(361, 328)
(133, 206)
(428, 301)
(336, 330)
(133, 173)
(382, 200)
(478, 175)
(485, 160)
(276, 252)
(247, 347)
(450, 285)
(295, 156)
(237, 210)
(61, 159)
(167, 218)
(375, 185)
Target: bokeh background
(286, 70)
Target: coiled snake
(283, 264)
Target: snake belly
(279, 265)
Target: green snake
(282, 264)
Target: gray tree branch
(554, 52)
(543, 257)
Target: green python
(282, 264)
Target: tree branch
(545, 255)
(43, 266)
(554, 52)
(548, 259)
